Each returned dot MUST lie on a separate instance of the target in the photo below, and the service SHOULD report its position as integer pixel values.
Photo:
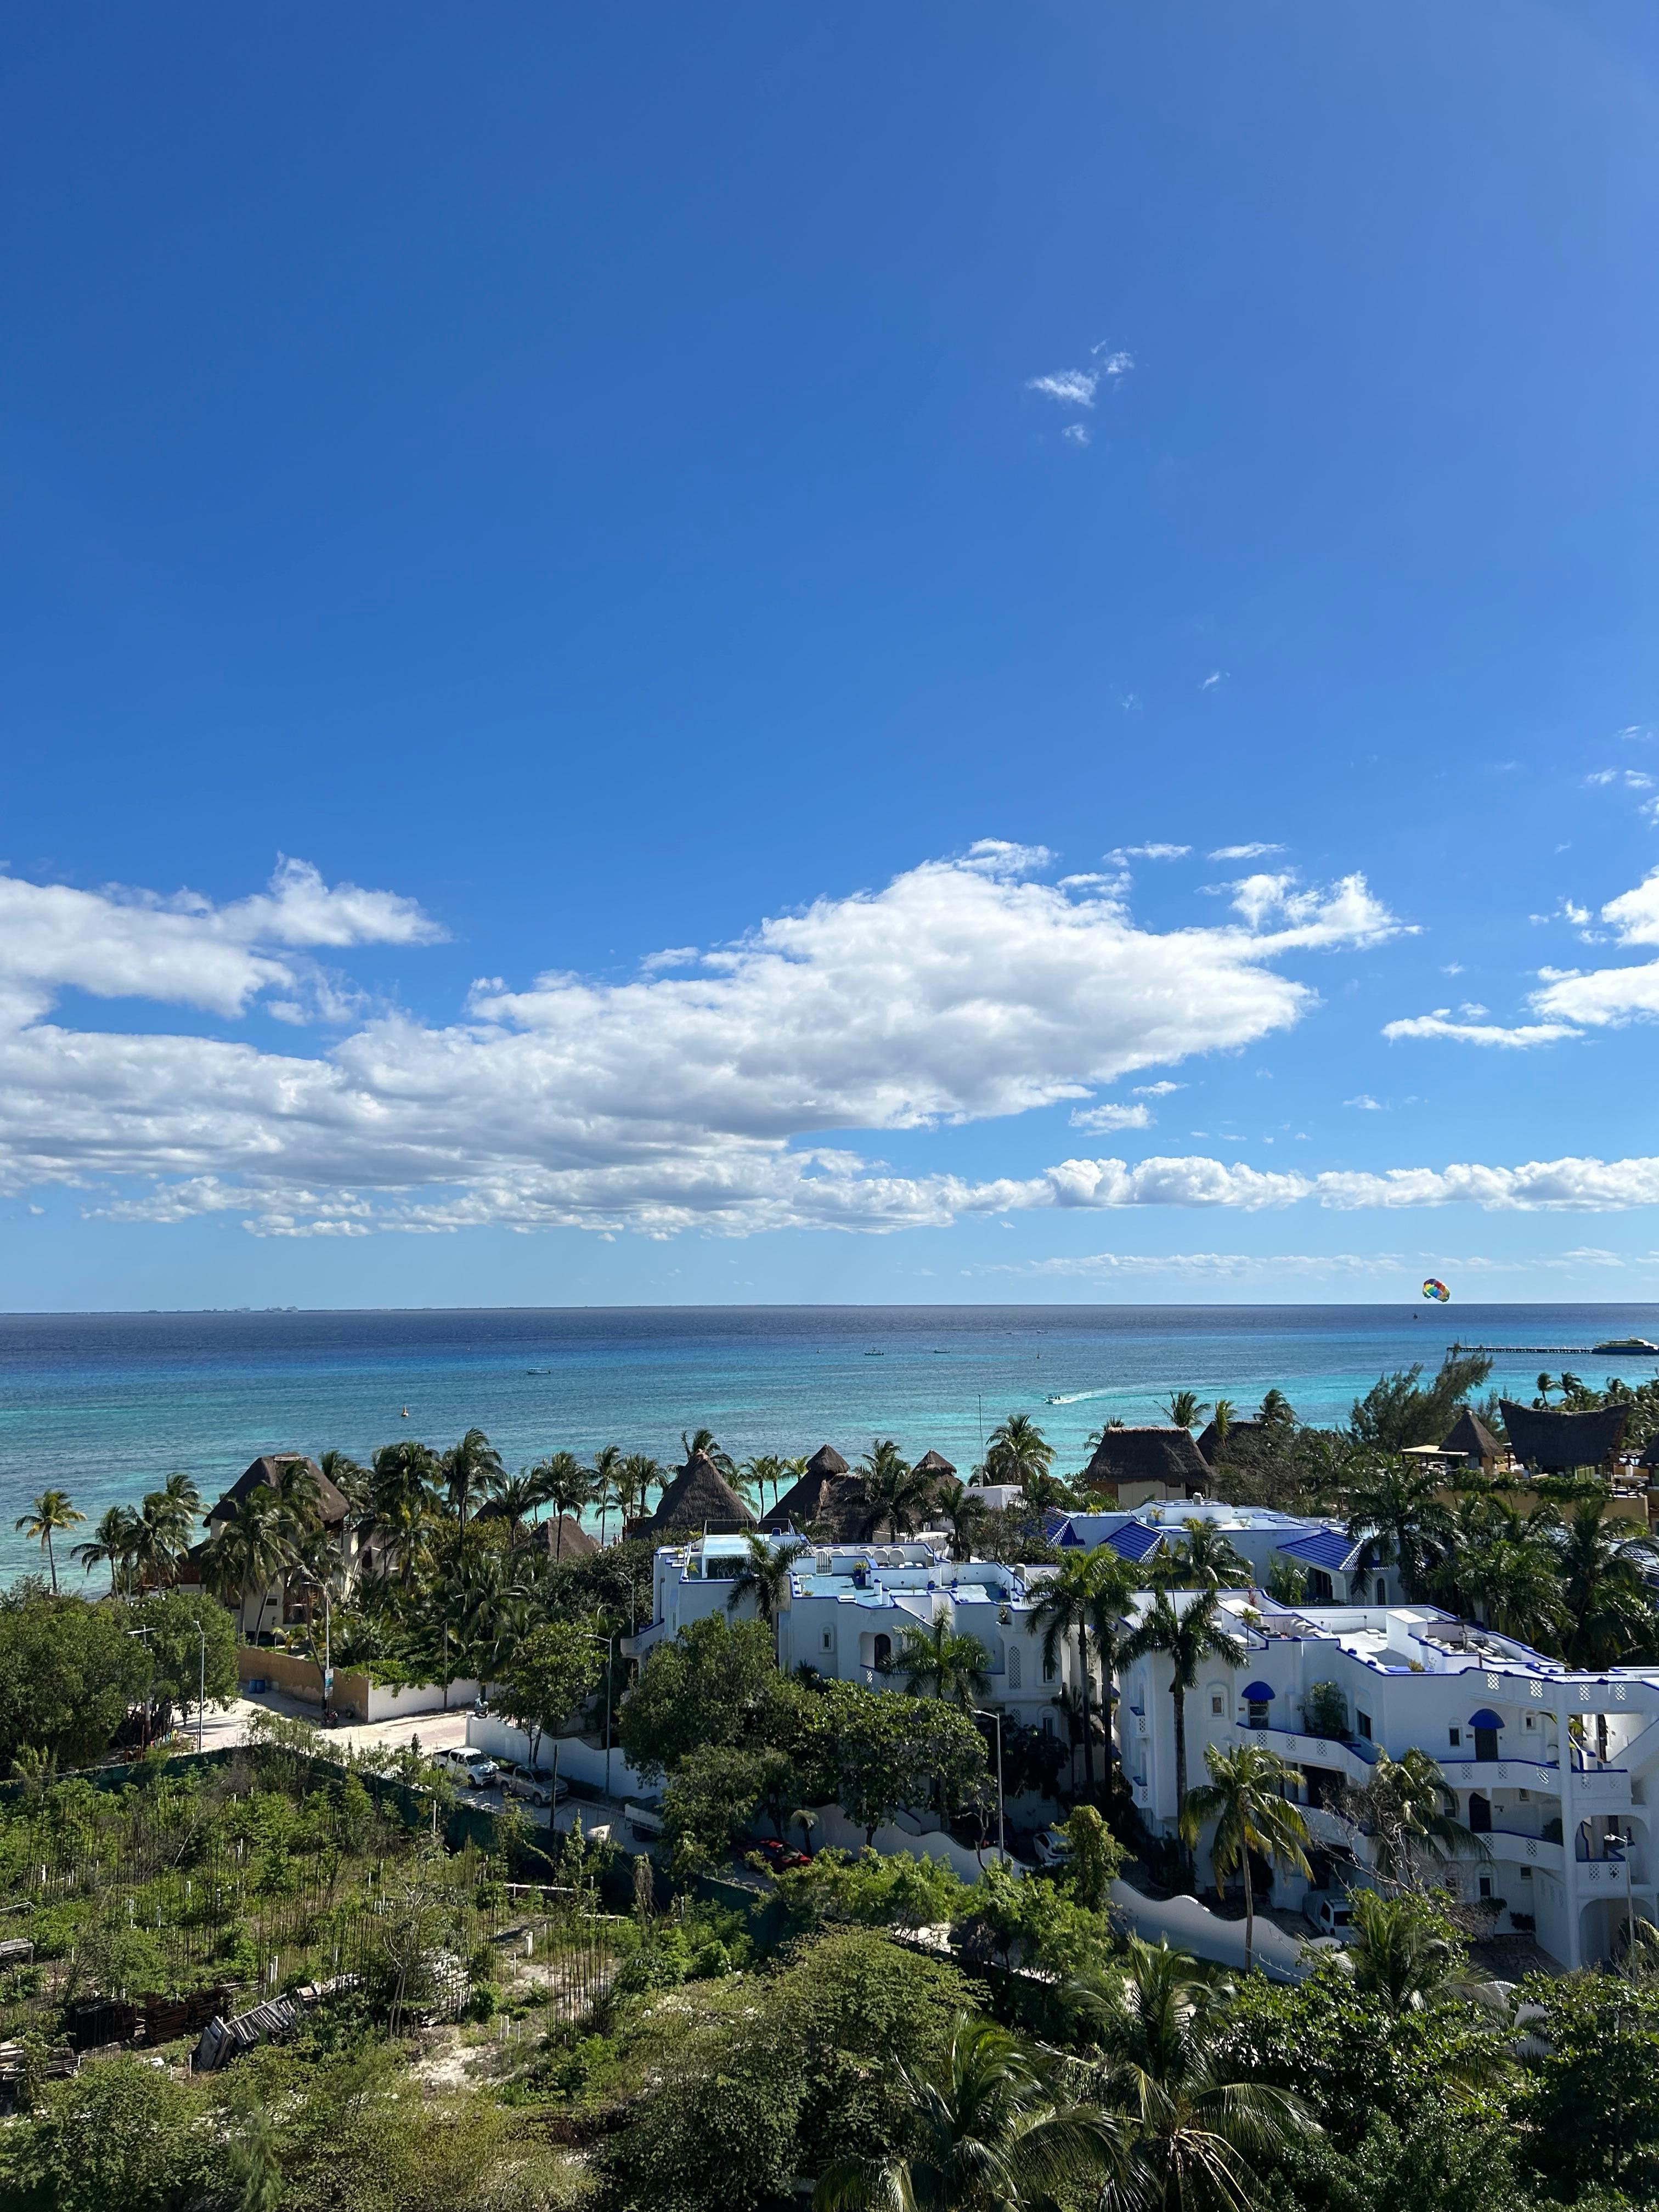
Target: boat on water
(1627, 1344)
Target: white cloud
(1116, 363)
(1102, 1118)
(1629, 779)
(1440, 1025)
(1366, 1103)
(1072, 387)
(1212, 679)
(1472, 1011)
(1540, 1186)
(958, 992)
(1122, 853)
(1078, 433)
(1634, 914)
(1244, 851)
(1159, 1090)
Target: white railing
(1502, 1774)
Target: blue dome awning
(1485, 1719)
(1259, 1693)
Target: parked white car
(1050, 1847)
(472, 1767)
(1328, 1911)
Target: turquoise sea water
(105, 1405)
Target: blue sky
(789, 552)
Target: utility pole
(990, 1713)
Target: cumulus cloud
(1575, 1185)
(1158, 1089)
(959, 991)
(1244, 851)
(1154, 852)
(1102, 1118)
(1366, 1103)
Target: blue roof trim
(1257, 1694)
(1485, 1719)
(1135, 1540)
(1326, 1548)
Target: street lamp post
(991, 1713)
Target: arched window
(884, 1651)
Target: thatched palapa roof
(699, 1497)
(566, 1534)
(829, 1494)
(1239, 1442)
(1472, 1439)
(1555, 1443)
(1146, 1455)
(266, 1469)
(935, 1463)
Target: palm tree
(514, 1501)
(704, 1441)
(562, 1482)
(641, 1470)
(170, 1516)
(1185, 1408)
(607, 1466)
(251, 1548)
(350, 1479)
(1397, 1507)
(1399, 1947)
(764, 1576)
(965, 1511)
(1275, 1411)
(942, 1661)
(1223, 1414)
(1080, 1601)
(1603, 1588)
(894, 1495)
(471, 1470)
(765, 1470)
(1410, 1815)
(402, 1496)
(1187, 1637)
(1194, 2132)
(1017, 1450)
(1244, 1796)
(984, 2133)
(50, 1514)
(1206, 1558)
(112, 1543)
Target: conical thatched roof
(1472, 1439)
(699, 1497)
(826, 1460)
(833, 1502)
(932, 1463)
(566, 1538)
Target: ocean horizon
(107, 1405)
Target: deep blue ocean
(105, 1405)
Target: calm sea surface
(105, 1405)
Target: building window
(1258, 1712)
(1217, 1704)
(1013, 1666)
(1454, 1737)
(1485, 1885)
(1048, 1723)
(828, 1644)
(883, 1650)
(1049, 1670)
(1363, 1721)
(1382, 1589)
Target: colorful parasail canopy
(1437, 1291)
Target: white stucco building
(847, 1608)
(1340, 1569)
(1553, 1769)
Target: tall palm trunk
(1088, 1710)
(1179, 1696)
(52, 1561)
(1250, 1902)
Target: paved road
(228, 1726)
